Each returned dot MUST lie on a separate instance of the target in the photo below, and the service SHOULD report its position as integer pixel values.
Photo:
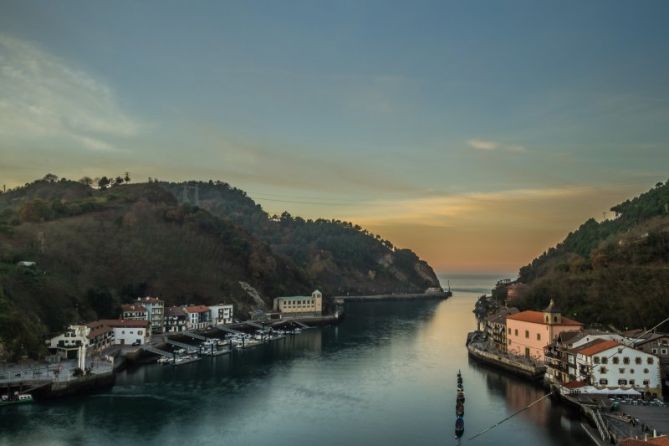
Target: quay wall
(535, 373)
(398, 297)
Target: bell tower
(552, 315)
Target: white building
(155, 312)
(72, 344)
(300, 305)
(129, 332)
(608, 364)
(135, 312)
(220, 314)
(198, 316)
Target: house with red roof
(609, 365)
(198, 316)
(529, 332)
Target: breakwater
(395, 297)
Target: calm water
(385, 376)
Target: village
(86, 356)
(618, 380)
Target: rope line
(509, 417)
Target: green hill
(95, 249)
(610, 272)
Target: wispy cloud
(43, 99)
(488, 145)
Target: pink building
(528, 332)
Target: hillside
(610, 272)
(95, 249)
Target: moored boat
(16, 398)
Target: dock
(516, 365)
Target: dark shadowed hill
(610, 272)
(95, 249)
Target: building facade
(495, 327)
(71, 344)
(129, 332)
(221, 314)
(176, 320)
(529, 332)
(656, 344)
(135, 312)
(300, 305)
(198, 317)
(155, 312)
(612, 365)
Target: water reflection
(385, 376)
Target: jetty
(525, 367)
(396, 297)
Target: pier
(395, 297)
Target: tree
(126, 178)
(50, 178)
(86, 180)
(118, 181)
(103, 182)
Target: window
(603, 370)
(509, 341)
(626, 360)
(622, 370)
(645, 370)
(646, 382)
(650, 360)
(631, 382)
(654, 351)
(555, 319)
(603, 381)
(664, 351)
(637, 360)
(596, 359)
(615, 360)
(509, 331)
(605, 360)
(622, 382)
(139, 332)
(538, 336)
(631, 370)
(527, 333)
(515, 332)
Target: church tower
(552, 315)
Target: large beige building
(300, 305)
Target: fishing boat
(460, 408)
(16, 398)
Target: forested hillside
(611, 272)
(95, 248)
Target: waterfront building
(220, 314)
(155, 312)
(656, 344)
(608, 364)
(71, 344)
(100, 337)
(300, 305)
(135, 312)
(529, 332)
(176, 320)
(198, 316)
(129, 332)
(495, 327)
(560, 355)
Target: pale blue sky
(358, 106)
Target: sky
(476, 133)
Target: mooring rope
(510, 416)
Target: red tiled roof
(97, 328)
(197, 309)
(657, 441)
(132, 307)
(537, 317)
(126, 323)
(574, 384)
(598, 346)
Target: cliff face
(611, 272)
(96, 249)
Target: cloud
(46, 101)
(482, 144)
(488, 145)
